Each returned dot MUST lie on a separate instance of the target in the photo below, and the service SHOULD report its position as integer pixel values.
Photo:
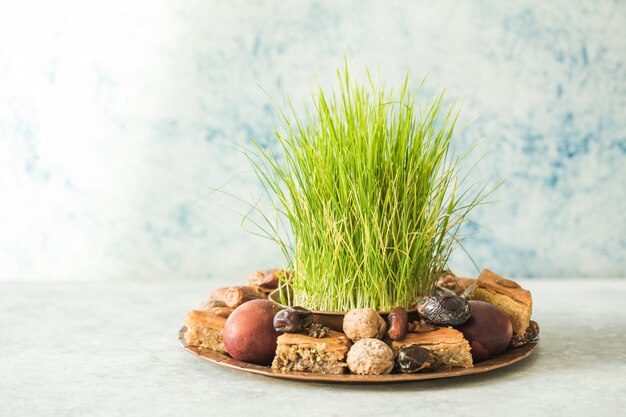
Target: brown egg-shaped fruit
(488, 330)
(249, 333)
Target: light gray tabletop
(107, 349)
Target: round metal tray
(507, 358)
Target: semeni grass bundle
(371, 194)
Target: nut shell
(370, 357)
(363, 323)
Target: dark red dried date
(444, 309)
(268, 279)
(413, 358)
(398, 323)
(292, 320)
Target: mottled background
(116, 116)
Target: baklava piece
(507, 295)
(302, 353)
(447, 346)
(205, 329)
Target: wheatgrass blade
(370, 193)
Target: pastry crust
(205, 330)
(204, 318)
(447, 345)
(507, 295)
(302, 353)
(335, 341)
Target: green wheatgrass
(370, 193)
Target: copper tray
(507, 358)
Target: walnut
(362, 323)
(317, 330)
(370, 357)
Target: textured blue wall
(115, 117)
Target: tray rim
(509, 357)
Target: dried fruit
(236, 296)
(363, 323)
(370, 357)
(452, 284)
(444, 309)
(531, 333)
(292, 319)
(231, 296)
(413, 358)
(398, 321)
(267, 279)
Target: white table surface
(108, 349)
